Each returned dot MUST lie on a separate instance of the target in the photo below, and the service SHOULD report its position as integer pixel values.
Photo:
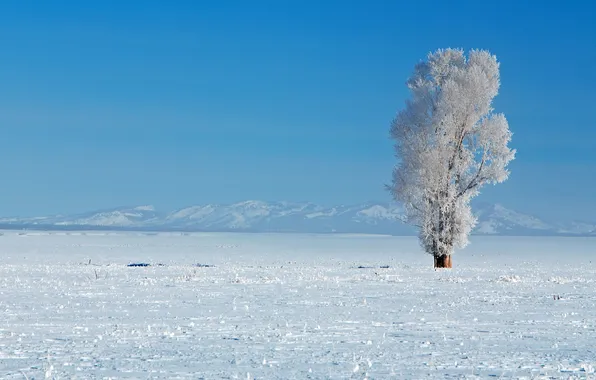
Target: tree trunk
(443, 261)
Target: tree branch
(457, 147)
(475, 181)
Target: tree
(449, 143)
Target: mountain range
(259, 216)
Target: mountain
(259, 216)
(498, 220)
(117, 217)
(290, 217)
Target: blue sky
(173, 103)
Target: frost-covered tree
(449, 143)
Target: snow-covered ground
(293, 306)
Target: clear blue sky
(173, 103)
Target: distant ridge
(260, 216)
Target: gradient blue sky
(173, 103)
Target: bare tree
(449, 143)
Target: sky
(175, 103)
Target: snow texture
(283, 306)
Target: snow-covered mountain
(289, 217)
(259, 216)
(117, 217)
(496, 219)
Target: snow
(319, 214)
(380, 212)
(145, 208)
(113, 218)
(279, 306)
(193, 212)
(517, 218)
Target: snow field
(293, 306)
